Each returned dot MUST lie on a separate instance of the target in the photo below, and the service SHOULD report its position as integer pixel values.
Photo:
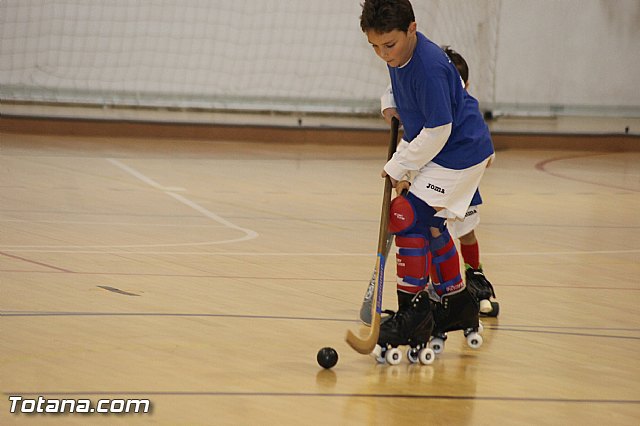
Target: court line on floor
(496, 327)
(46, 265)
(138, 175)
(171, 191)
(328, 395)
(283, 277)
(249, 234)
(45, 249)
(542, 166)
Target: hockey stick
(365, 345)
(367, 300)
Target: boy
(465, 229)
(447, 143)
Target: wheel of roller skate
(474, 340)
(413, 355)
(495, 309)
(480, 326)
(426, 356)
(378, 353)
(393, 356)
(437, 344)
(485, 306)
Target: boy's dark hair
(383, 16)
(459, 62)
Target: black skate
(483, 290)
(458, 311)
(411, 325)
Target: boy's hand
(399, 185)
(393, 181)
(402, 186)
(389, 113)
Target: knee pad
(409, 214)
(445, 264)
(402, 215)
(412, 262)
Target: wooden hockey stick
(367, 300)
(365, 345)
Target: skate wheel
(485, 306)
(378, 354)
(474, 340)
(495, 309)
(393, 356)
(427, 356)
(413, 355)
(480, 327)
(437, 344)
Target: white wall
(569, 52)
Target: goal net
(266, 55)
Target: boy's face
(395, 47)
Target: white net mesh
(471, 29)
(284, 55)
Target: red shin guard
(445, 265)
(412, 262)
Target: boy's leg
(413, 322)
(470, 251)
(457, 308)
(413, 257)
(454, 307)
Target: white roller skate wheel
(474, 340)
(378, 355)
(485, 306)
(437, 345)
(480, 327)
(413, 355)
(427, 356)
(393, 356)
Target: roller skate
(457, 311)
(483, 290)
(411, 325)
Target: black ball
(327, 357)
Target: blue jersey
(477, 198)
(428, 92)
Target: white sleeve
(418, 152)
(386, 100)
(410, 175)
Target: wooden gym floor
(205, 275)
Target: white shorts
(458, 228)
(449, 189)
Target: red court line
(36, 262)
(542, 166)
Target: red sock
(471, 254)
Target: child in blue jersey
(464, 229)
(447, 146)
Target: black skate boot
(483, 290)
(411, 325)
(457, 311)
